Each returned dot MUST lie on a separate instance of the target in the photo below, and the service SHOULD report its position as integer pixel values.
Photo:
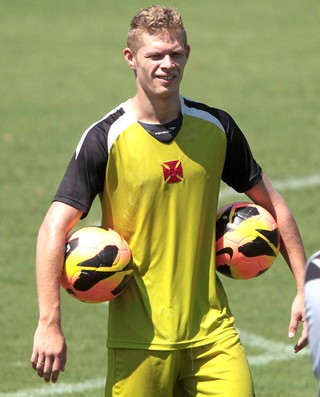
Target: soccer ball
(98, 264)
(247, 240)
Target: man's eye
(156, 57)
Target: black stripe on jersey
(240, 171)
(219, 114)
(85, 175)
(103, 125)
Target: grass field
(61, 68)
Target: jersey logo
(172, 171)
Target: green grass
(61, 68)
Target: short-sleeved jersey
(162, 198)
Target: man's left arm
(291, 248)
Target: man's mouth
(167, 78)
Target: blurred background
(61, 69)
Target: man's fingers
(57, 367)
(303, 340)
(49, 369)
(39, 367)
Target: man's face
(159, 63)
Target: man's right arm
(49, 349)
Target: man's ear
(188, 51)
(129, 58)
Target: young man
(157, 161)
(312, 298)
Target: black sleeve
(241, 171)
(85, 175)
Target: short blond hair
(154, 20)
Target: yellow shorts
(218, 369)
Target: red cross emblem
(172, 171)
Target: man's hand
(297, 315)
(49, 354)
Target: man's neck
(156, 111)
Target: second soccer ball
(247, 240)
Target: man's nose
(167, 62)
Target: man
(157, 161)
(312, 298)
